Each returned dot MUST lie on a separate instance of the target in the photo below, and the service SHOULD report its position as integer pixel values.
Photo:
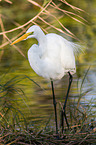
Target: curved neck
(40, 38)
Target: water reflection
(36, 103)
(19, 95)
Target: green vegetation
(26, 110)
(16, 129)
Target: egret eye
(30, 33)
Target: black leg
(63, 111)
(63, 114)
(54, 103)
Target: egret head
(33, 32)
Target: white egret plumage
(52, 58)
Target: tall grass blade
(34, 82)
(84, 79)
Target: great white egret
(52, 58)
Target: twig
(8, 1)
(9, 31)
(48, 13)
(73, 7)
(84, 139)
(68, 13)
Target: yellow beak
(21, 38)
